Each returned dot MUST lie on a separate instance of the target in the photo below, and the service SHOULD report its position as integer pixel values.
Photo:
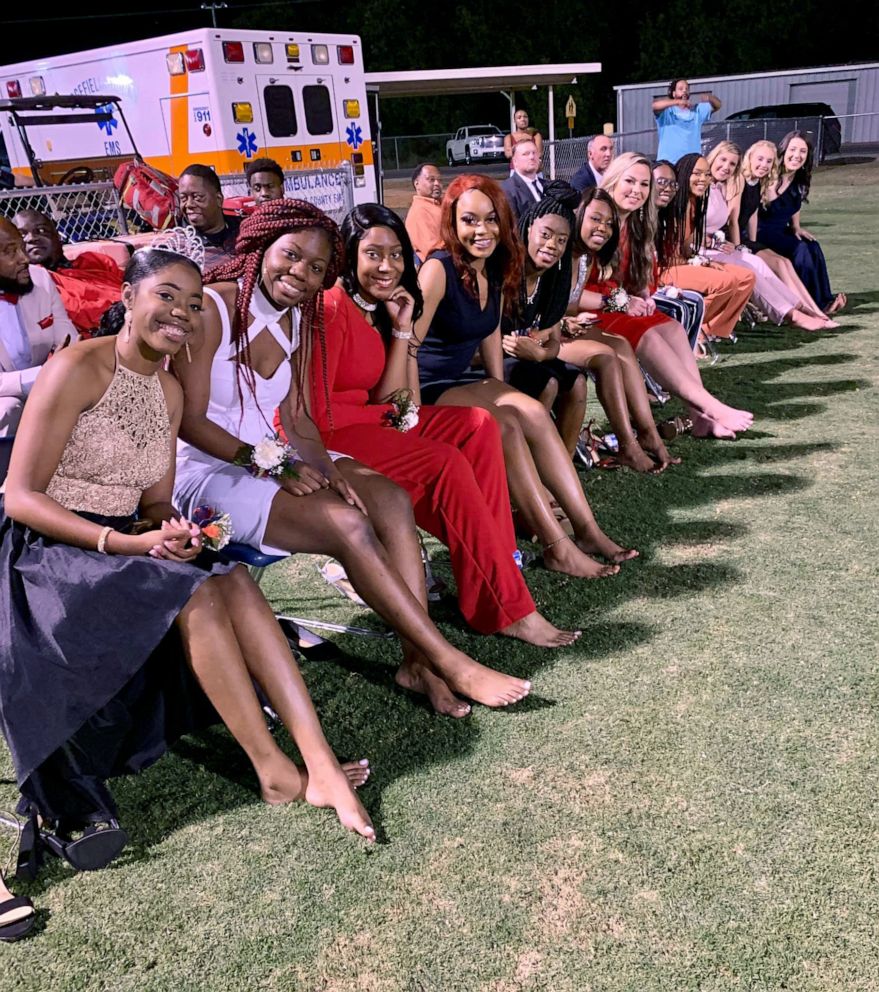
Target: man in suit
(524, 186)
(599, 154)
(33, 323)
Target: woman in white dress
(260, 313)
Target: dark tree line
(633, 41)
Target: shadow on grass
(362, 710)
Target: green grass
(687, 801)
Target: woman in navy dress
(778, 224)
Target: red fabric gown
(88, 286)
(451, 464)
(622, 324)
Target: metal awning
(482, 79)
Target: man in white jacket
(33, 324)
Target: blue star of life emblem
(354, 135)
(107, 125)
(247, 145)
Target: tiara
(184, 241)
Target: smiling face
(600, 152)
(202, 205)
(547, 240)
(699, 178)
(795, 155)
(724, 166)
(476, 224)
(166, 308)
(14, 274)
(525, 159)
(632, 188)
(380, 264)
(597, 226)
(41, 240)
(521, 120)
(265, 186)
(761, 159)
(665, 184)
(293, 267)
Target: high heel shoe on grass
(96, 846)
(674, 427)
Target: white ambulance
(221, 97)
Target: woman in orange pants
(448, 459)
(682, 202)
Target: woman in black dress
(121, 637)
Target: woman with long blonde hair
(759, 174)
(771, 295)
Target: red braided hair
(270, 221)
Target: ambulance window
(280, 112)
(318, 109)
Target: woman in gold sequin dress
(119, 639)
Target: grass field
(688, 800)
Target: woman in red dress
(449, 460)
(624, 305)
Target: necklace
(368, 307)
(530, 299)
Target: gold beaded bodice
(117, 449)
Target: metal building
(851, 90)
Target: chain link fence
(90, 212)
(846, 134)
(405, 151)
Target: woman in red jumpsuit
(450, 461)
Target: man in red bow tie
(33, 323)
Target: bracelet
(402, 335)
(102, 540)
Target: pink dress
(770, 293)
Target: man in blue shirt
(679, 120)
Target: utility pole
(213, 8)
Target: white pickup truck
(479, 141)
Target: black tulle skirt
(93, 677)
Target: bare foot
(568, 557)
(289, 784)
(706, 427)
(633, 456)
(806, 322)
(654, 447)
(418, 678)
(600, 544)
(838, 303)
(468, 678)
(727, 417)
(331, 789)
(536, 629)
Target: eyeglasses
(667, 183)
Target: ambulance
(221, 97)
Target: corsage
(271, 456)
(216, 526)
(616, 301)
(403, 415)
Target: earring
(188, 352)
(127, 325)
(560, 265)
(640, 213)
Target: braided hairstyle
(504, 266)
(560, 199)
(685, 216)
(605, 255)
(666, 249)
(270, 221)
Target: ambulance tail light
(194, 58)
(233, 51)
(346, 54)
(359, 169)
(352, 108)
(262, 52)
(292, 52)
(242, 113)
(38, 86)
(320, 55)
(175, 63)
(13, 88)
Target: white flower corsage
(271, 456)
(403, 415)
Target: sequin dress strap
(117, 449)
